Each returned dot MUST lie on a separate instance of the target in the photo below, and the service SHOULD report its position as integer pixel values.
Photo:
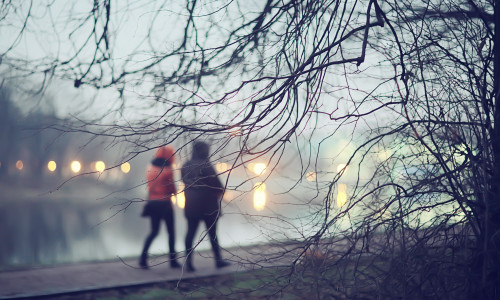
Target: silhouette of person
(203, 192)
(161, 186)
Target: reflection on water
(259, 196)
(341, 194)
(77, 225)
(43, 231)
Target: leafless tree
(412, 84)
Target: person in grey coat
(203, 192)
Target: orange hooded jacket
(161, 184)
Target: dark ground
(259, 284)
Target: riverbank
(118, 275)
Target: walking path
(62, 279)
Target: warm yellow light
(311, 176)
(76, 166)
(341, 195)
(228, 196)
(259, 168)
(180, 200)
(384, 154)
(341, 167)
(221, 167)
(100, 166)
(259, 196)
(52, 166)
(19, 164)
(125, 167)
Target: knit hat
(166, 152)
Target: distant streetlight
(341, 168)
(228, 196)
(76, 166)
(259, 168)
(125, 167)
(221, 167)
(311, 176)
(384, 154)
(180, 198)
(259, 196)
(19, 165)
(100, 166)
(52, 166)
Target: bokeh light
(52, 166)
(228, 196)
(76, 166)
(384, 154)
(259, 196)
(180, 198)
(19, 165)
(100, 166)
(125, 167)
(341, 168)
(341, 194)
(311, 176)
(259, 168)
(221, 167)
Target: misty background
(52, 214)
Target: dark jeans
(168, 217)
(211, 224)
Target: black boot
(173, 261)
(189, 267)
(143, 261)
(189, 262)
(220, 263)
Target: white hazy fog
(50, 225)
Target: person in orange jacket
(161, 187)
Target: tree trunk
(490, 262)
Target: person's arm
(211, 180)
(169, 181)
(187, 175)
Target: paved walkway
(120, 273)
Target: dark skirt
(157, 208)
